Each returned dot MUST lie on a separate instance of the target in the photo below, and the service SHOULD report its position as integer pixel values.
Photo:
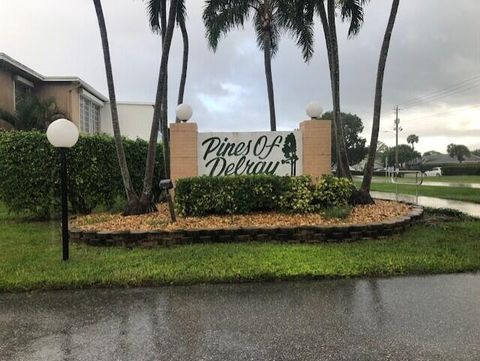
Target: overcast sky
(434, 54)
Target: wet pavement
(411, 318)
(453, 185)
(472, 209)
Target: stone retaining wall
(301, 234)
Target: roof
(29, 73)
(446, 159)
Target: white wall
(135, 120)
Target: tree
(405, 155)
(458, 151)
(270, 17)
(33, 114)
(364, 195)
(290, 152)
(133, 205)
(351, 10)
(412, 139)
(352, 127)
(157, 17)
(159, 114)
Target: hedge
(29, 172)
(200, 196)
(461, 169)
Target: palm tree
(181, 15)
(132, 206)
(412, 139)
(159, 112)
(157, 18)
(377, 108)
(270, 17)
(351, 10)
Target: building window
(23, 91)
(89, 116)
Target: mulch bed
(381, 211)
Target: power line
(439, 113)
(448, 91)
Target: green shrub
(200, 196)
(461, 169)
(296, 195)
(29, 172)
(331, 192)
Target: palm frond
(221, 16)
(297, 18)
(154, 8)
(352, 10)
(181, 11)
(267, 30)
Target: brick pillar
(317, 145)
(183, 150)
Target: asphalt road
(414, 318)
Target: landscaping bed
(379, 212)
(381, 219)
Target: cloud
(435, 44)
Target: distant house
(81, 102)
(436, 160)
(85, 106)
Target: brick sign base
(301, 234)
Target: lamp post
(314, 110)
(63, 134)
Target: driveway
(411, 318)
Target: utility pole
(397, 129)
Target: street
(410, 318)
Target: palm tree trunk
(132, 197)
(146, 198)
(377, 108)
(164, 112)
(342, 160)
(183, 80)
(267, 52)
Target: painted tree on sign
(290, 152)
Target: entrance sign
(223, 154)
(306, 151)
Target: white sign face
(222, 154)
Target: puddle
(471, 209)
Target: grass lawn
(459, 194)
(467, 179)
(455, 179)
(30, 258)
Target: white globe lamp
(314, 110)
(184, 112)
(62, 133)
